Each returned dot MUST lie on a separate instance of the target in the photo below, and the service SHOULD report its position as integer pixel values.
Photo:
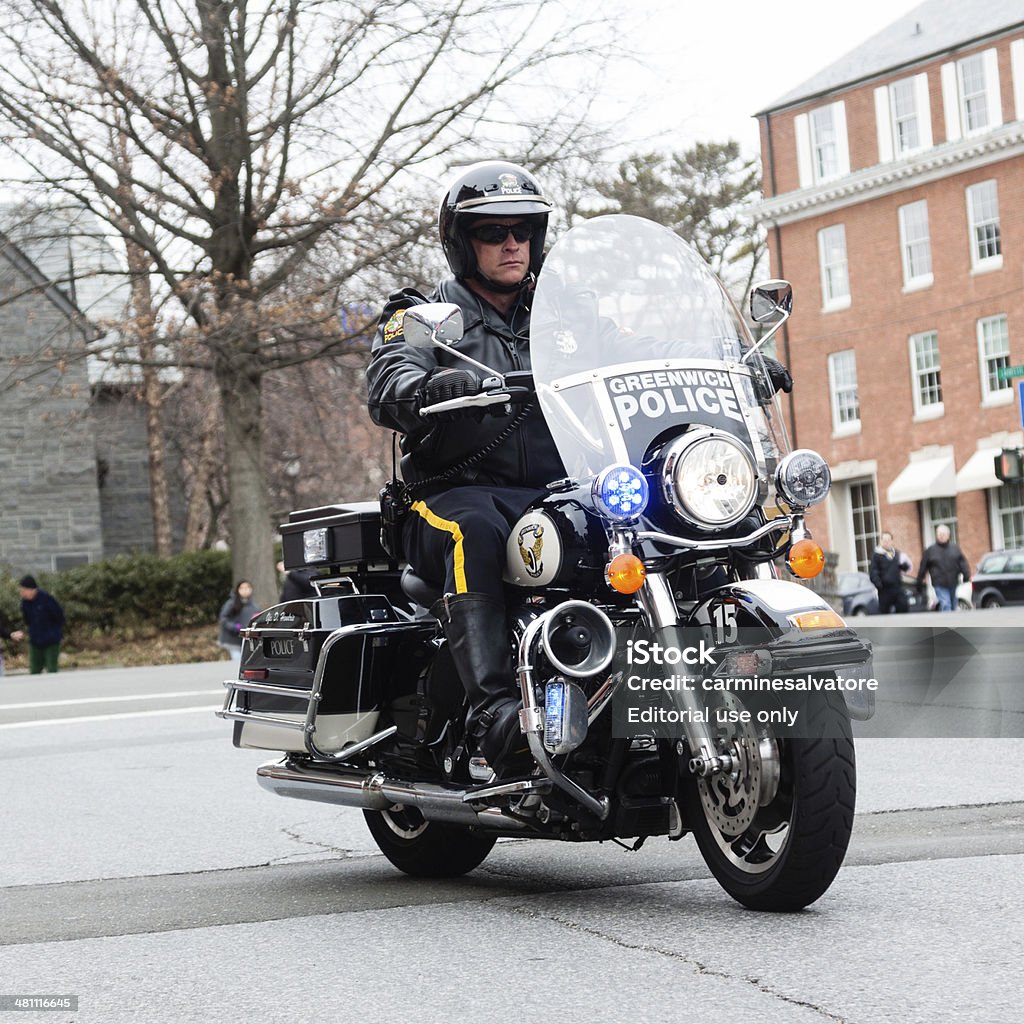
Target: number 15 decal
(723, 623)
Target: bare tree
(254, 157)
(705, 194)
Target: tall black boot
(477, 632)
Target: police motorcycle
(642, 590)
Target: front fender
(759, 615)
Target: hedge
(133, 592)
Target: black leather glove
(445, 384)
(781, 378)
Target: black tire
(991, 601)
(427, 849)
(813, 804)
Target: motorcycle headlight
(710, 478)
(803, 478)
(620, 492)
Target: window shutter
(951, 102)
(842, 144)
(802, 127)
(1017, 63)
(883, 122)
(990, 59)
(923, 106)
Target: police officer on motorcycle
(479, 475)
(492, 222)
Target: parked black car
(999, 579)
(860, 597)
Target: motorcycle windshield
(633, 339)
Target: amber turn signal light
(805, 559)
(820, 618)
(626, 574)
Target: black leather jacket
(397, 372)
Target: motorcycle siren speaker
(578, 639)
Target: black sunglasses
(494, 234)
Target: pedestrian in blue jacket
(44, 619)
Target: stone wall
(49, 498)
(122, 459)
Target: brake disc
(731, 799)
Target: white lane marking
(208, 709)
(107, 700)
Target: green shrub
(133, 593)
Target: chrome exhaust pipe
(373, 791)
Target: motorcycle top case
(284, 647)
(346, 536)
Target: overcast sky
(705, 68)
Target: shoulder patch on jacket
(393, 328)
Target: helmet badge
(509, 184)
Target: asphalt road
(143, 870)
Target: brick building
(894, 202)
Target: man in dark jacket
(44, 618)
(492, 224)
(945, 562)
(886, 572)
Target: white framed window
(842, 386)
(835, 278)
(926, 375)
(864, 513)
(822, 148)
(824, 144)
(938, 512)
(974, 112)
(983, 224)
(915, 245)
(1009, 515)
(971, 98)
(903, 118)
(994, 354)
(1017, 70)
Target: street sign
(1009, 372)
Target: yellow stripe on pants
(452, 527)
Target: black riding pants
(459, 536)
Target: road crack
(326, 848)
(672, 954)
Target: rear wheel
(774, 832)
(991, 601)
(427, 849)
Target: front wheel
(774, 832)
(427, 849)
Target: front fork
(659, 608)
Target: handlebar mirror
(771, 302)
(433, 323)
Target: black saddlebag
(315, 673)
